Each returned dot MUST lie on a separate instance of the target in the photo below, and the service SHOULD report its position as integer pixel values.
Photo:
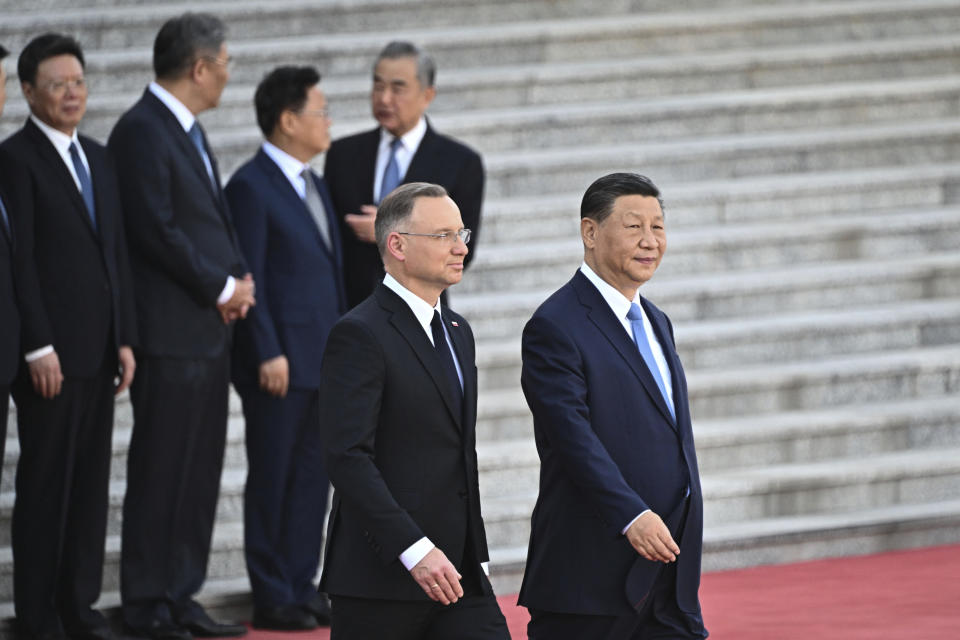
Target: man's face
(312, 124)
(434, 263)
(629, 244)
(59, 94)
(398, 99)
(214, 75)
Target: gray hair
(397, 207)
(426, 67)
(182, 39)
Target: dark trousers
(60, 512)
(173, 481)
(286, 495)
(4, 415)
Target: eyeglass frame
(59, 87)
(462, 234)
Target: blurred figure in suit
(362, 169)
(78, 327)
(291, 242)
(191, 284)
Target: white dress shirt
(61, 142)
(289, 166)
(620, 305)
(409, 143)
(423, 312)
(186, 119)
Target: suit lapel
(673, 360)
(461, 352)
(48, 153)
(183, 142)
(421, 165)
(403, 320)
(603, 318)
(368, 151)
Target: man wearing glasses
(290, 239)
(406, 548)
(191, 284)
(78, 326)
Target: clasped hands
(651, 538)
(240, 302)
(362, 224)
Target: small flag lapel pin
(454, 323)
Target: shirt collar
(619, 304)
(59, 139)
(410, 140)
(290, 166)
(420, 307)
(179, 110)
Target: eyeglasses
(228, 63)
(59, 87)
(451, 237)
(320, 113)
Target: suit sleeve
(250, 221)
(468, 194)
(37, 331)
(143, 167)
(127, 315)
(555, 386)
(351, 384)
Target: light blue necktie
(86, 186)
(196, 135)
(391, 173)
(3, 214)
(635, 316)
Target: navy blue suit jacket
(9, 312)
(300, 292)
(609, 449)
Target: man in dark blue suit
(618, 526)
(191, 283)
(289, 237)
(77, 328)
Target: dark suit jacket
(609, 449)
(73, 282)
(299, 280)
(349, 172)
(403, 464)
(9, 311)
(182, 242)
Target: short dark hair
(44, 47)
(283, 89)
(396, 208)
(181, 39)
(3, 52)
(598, 201)
(426, 67)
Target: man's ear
(395, 246)
(588, 232)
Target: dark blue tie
(635, 316)
(196, 136)
(443, 350)
(86, 186)
(391, 173)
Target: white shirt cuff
(228, 290)
(486, 568)
(624, 532)
(38, 353)
(416, 552)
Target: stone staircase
(809, 154)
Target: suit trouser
(60, 513)
(4, 415)
(285, 499)
(173, 481)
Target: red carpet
(903, 595)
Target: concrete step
(866, 192)
(792, 539)
(526, 172)
(793, 337)
(907, 477)
(592, 123)
(733, 247)
(226, 561)
(824, 286)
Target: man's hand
(46, 375)
(362, 223)
(275, 376)
(651, 538)
(127, 365)
(438, 578)
(240, 302)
